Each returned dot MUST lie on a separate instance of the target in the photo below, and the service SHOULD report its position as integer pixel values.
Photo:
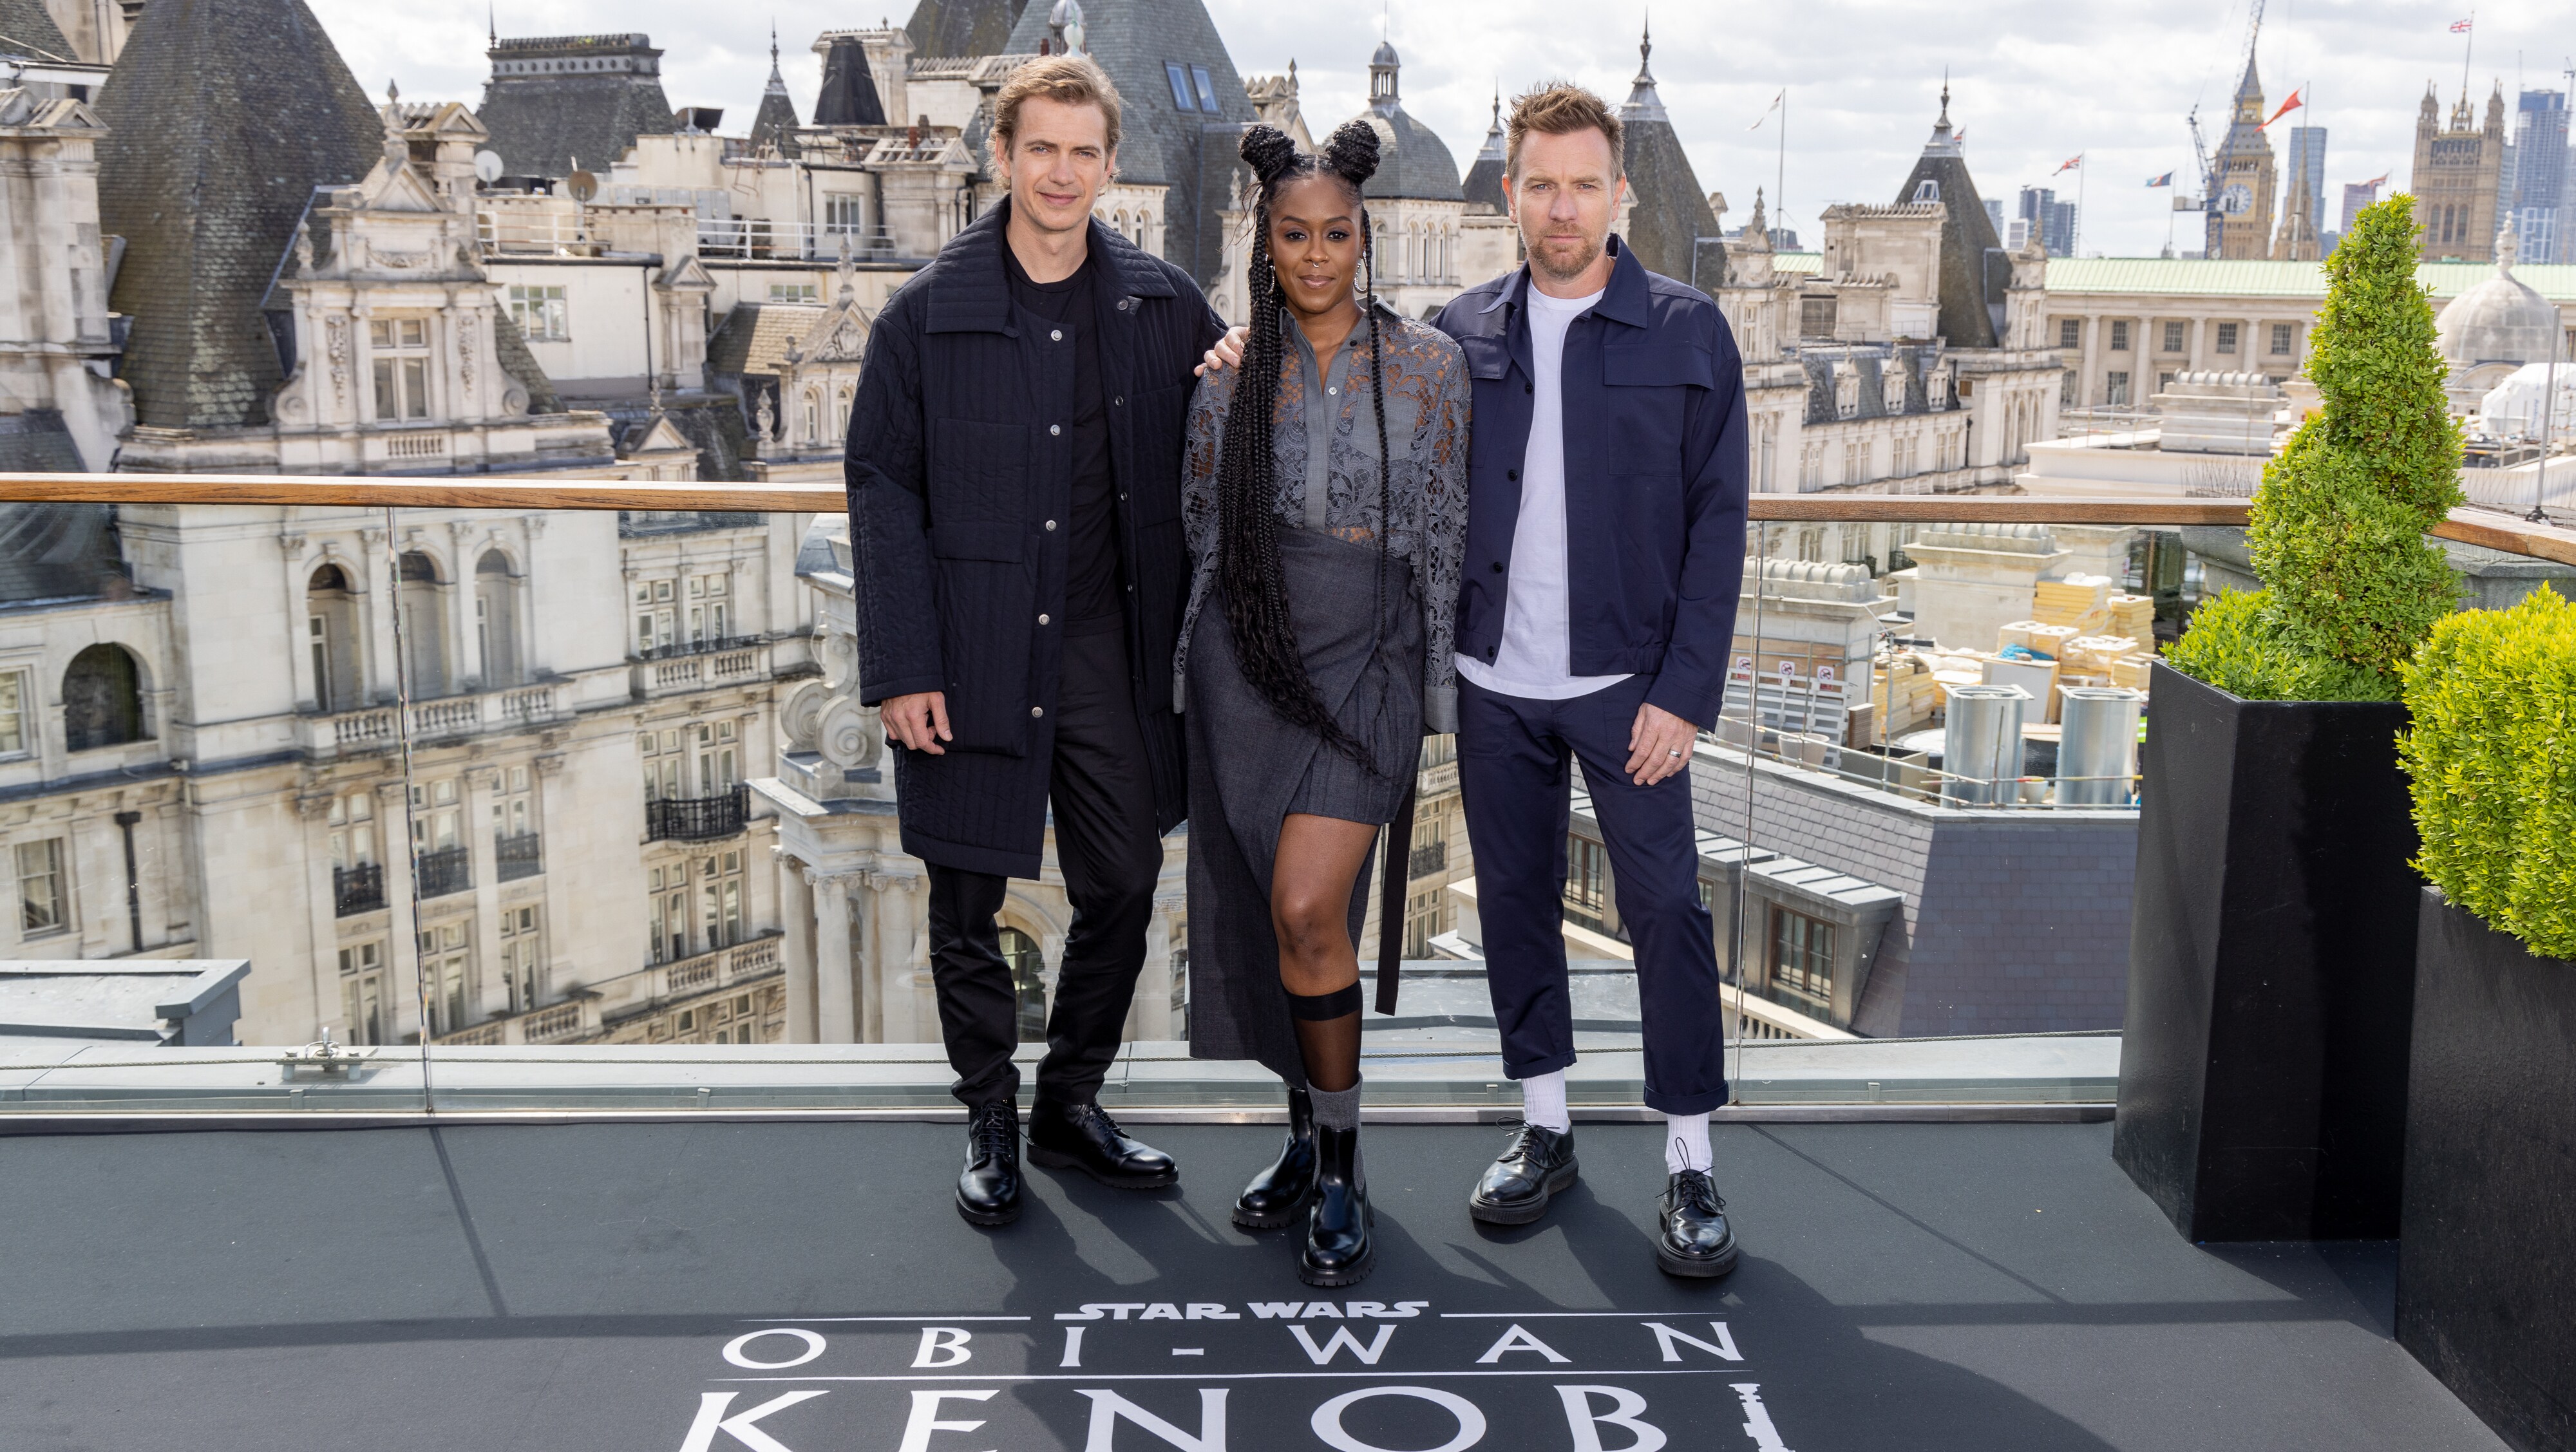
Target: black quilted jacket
(953, 480)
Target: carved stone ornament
(1847, 391)
(849, 736)
(801, 717)
(465, 355)
(840, 652)
(764, 421)
(335, 347)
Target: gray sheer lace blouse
(1326, 462)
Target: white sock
(1686, 1143)
(1543, 1101)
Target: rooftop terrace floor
(568, 1287)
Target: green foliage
(2236, 644)
(2339, 523)
(2492, 761)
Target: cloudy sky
(2034, 82)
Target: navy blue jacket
(960, 492)
(1655, 479)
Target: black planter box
(2486, 1265)
(2271, 967)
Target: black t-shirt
(1091, 589)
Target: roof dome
(1412, 160)
(2501, 320)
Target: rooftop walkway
(719, 1285)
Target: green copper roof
(2271, 279)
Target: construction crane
(2211, 202)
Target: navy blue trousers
(1512, 772)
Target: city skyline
(2035, 86)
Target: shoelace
(993, 1134)
(1525, 1142)
(1692, 1189)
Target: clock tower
(2240, 215)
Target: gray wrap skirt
(1249, 769)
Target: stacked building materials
(2083, 601)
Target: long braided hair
(1248, 564)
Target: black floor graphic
(807, 1288)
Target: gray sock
(1336, 1108)
(1340, 1109)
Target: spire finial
(492, 21)
(1945, 97)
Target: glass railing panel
(577, 809)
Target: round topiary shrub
(2351, 584)
(2490, 758)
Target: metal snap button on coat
(1050, 524)
(1042, 620)
(1055, 428)
(1037, 710)
(1057, 335)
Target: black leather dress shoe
(1273, 1197)
(1516, 1187)
(988, 1189)
(1692, 1237)
(1339, 1250)
(1083, 1137)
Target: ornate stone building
(2457, 169)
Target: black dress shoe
(1692, 1236)
(1274, 1195)
(988, 1189)
(1083, 1137)
(1516, 1187)
(1338, 1251)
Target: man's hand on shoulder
(1659, 744)
(919, 721)
(1228, 352)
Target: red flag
(2287, 107)
(2070, 164)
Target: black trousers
(1103, 801)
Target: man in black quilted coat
(1014, 472)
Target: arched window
(841, 403)
(496, 619)
(102, 699)
(424, 624)
(1028, 979)
(331, 635)
(813, 433)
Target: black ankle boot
(1338, 1249)
(988, 1189)
(1273, 1197)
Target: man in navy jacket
(1605, 549)
(1014, 479)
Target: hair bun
(1269, 151)
(1351, 151)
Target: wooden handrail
(2468, 524)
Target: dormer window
(401, 348)
(1174, 72)
(1927, 190)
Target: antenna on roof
(492, 21)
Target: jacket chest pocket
(1646, 396)
(979, 472)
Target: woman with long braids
(1326, 520)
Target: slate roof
(1672, 211)
(59, 551)
(1163, 145)
(1412, 160)
(34, 441)
(965, 27)
(1974, 270)
(1484, 184)
(849, 96)
(222, 117)
(755, 336)
(776, 123)
(27, 28)
(541, 124)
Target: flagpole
(1780, 182)
(2468, 48)
(2075, 245)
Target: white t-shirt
(1536, 657)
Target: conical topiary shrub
(2351, 585)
